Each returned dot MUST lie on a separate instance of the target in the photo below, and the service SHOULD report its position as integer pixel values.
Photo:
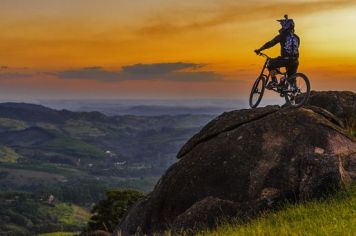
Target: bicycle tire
(297, 100)
(255, 90)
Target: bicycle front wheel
(257, 91)
(298, 84)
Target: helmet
(287, 24)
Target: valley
(77, 156)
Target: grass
(50, 168)
(80, 213)
(21, 177)
(47, 126)
(8, 155)
(353, 133)
(79, 128)
(333, 216)
(75, 146)
(27, 214)
(12, 124)
(70, 214)
(351, 126)
(59, 234)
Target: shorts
(291, 65)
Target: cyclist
(289, 42)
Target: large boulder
(205, 213)
(244, 162)
(340, 103)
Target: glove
(257, 51)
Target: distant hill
(38, 113)
(154, 110)
(150, 107)
(32, 136)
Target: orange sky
(165, 48)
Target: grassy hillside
(12, 124)
(333, 216)
(28, 214)
(8, 155)
(74, 147)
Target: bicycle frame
(268, 76)
(265, 66)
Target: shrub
(108, 212)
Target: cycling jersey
(289, 44)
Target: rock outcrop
(340, 103)
(244, 162)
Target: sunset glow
(165, 48)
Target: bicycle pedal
(271, 85)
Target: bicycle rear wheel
(257, 91)
(298, 84)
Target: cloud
(159, 68)
(231, 12)
(177, 71)
(88, 73)
(14, 75)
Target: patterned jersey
(289, 44)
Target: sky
(165, 48)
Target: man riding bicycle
(289, 42)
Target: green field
(12, 124)
(75, 146)
(29, 214)
(8, 155)
(333, 216)
(59, 234)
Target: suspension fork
(263, 70)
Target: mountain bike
(293, 86)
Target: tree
(108, 212)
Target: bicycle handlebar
(264, 55)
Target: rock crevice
(213, 128)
